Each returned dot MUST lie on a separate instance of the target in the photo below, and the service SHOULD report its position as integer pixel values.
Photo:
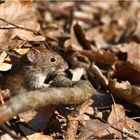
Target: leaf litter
(100, 42)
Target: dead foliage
(91, 91)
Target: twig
(25, 101)
(73, 120)
(71, 127)
(134, 136)
(19, 27)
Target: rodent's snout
(63, 67)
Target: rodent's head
(46, 60)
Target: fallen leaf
(78, 40)
(124, 81)
(95, 128)
(118, 118)
(81, 37)
(78, 60)
(101, 56)
(73, 40)
(22, 14)
(2, 56)
(6, 137)
(125, 71)
(77, 74)
(125, 91)
(94, 71)
(32, 135)
(21, 51)
(133, 53)
(4, 66)
(38, 136)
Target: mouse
(36, 66)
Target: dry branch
(17, 26)
(79, 93)
(73, 121)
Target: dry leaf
(133, 53)
(38, 136)
(124, 82)
(33, 135)
(123, 71)
(22, 14)
(6, 137)
(2, 57)
(118, 118)
(78, 60)
(101, 56)
(4, 66)
(94, 71)
(95, 128)
(80, 37)
(77, 74)
(73, 41)
(125, 91)
(21, 51)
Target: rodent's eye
(52, 60)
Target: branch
(73, 121)
(25, 101)
(19, 27)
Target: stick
(73, 120)
(25, 101)
(19, 27)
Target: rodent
(31, 74)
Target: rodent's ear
(34, 55)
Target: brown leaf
(133, 53)
(77, 74)
(22, 14)
(81, 37)
(78, 38)
(117, 114)
(123, 71)
(124, 82)
(73, 41)
(123, 90)
(6, 137)
(78, 60)
(4, 66)
(38, 136)
(117, 117)
(95, 71)
(99, 56)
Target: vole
(31, 74)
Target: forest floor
(98, 96)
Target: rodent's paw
(44, 85)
